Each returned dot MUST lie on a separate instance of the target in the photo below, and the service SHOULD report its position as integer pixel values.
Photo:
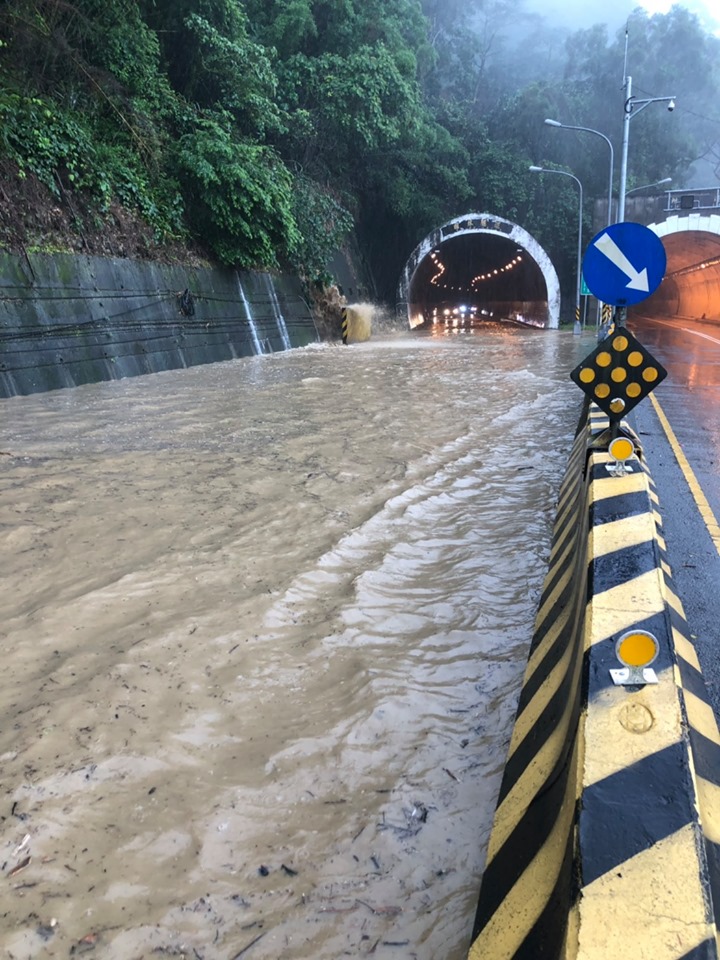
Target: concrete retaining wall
(67, 320)
(605, 839)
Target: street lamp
(563, 173)
(645, 186)
(567, 126)
(632, 107)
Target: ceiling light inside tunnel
(713, 262)
(510, 265)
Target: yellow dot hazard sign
(618, 374)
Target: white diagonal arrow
(607, 246)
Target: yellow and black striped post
(344, 326)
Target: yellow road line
(703, 506)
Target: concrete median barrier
(605, 838)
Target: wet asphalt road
(690, 400)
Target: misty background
(268, 133)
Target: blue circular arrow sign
(624, 264)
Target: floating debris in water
(20, 866)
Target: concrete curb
(605, 839)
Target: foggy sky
(577, 16)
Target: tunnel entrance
(691, 285)
(479, 269)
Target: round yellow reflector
(603, 359)
(620, 343)
(617, 405)
(587, 375)
(633, 390)
(650, 374)
(621, 449)
(618, 374)
(635, 358)
(636, 648)
(602, 390)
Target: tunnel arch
(499, 272)
(691, 285)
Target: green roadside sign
(584, 291)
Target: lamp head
(534, 169)
(553, 123)
(671, 106)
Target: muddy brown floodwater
(263, 629)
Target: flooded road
(263, 626)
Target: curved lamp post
(632, 107)
(645, 186)
(567, 126)
(563, 173)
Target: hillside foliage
(264, 131)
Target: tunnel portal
(478, 269)
(691, 286)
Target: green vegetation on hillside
(265, 130)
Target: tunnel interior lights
(636, 650)
(695, 267)
(440, 267)
(491, 274)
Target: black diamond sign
(618, 374)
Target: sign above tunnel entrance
(624, 264)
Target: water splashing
(248, 314)
(277, 312)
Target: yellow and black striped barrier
(528, 882)
(606, 840)
(356, 323)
